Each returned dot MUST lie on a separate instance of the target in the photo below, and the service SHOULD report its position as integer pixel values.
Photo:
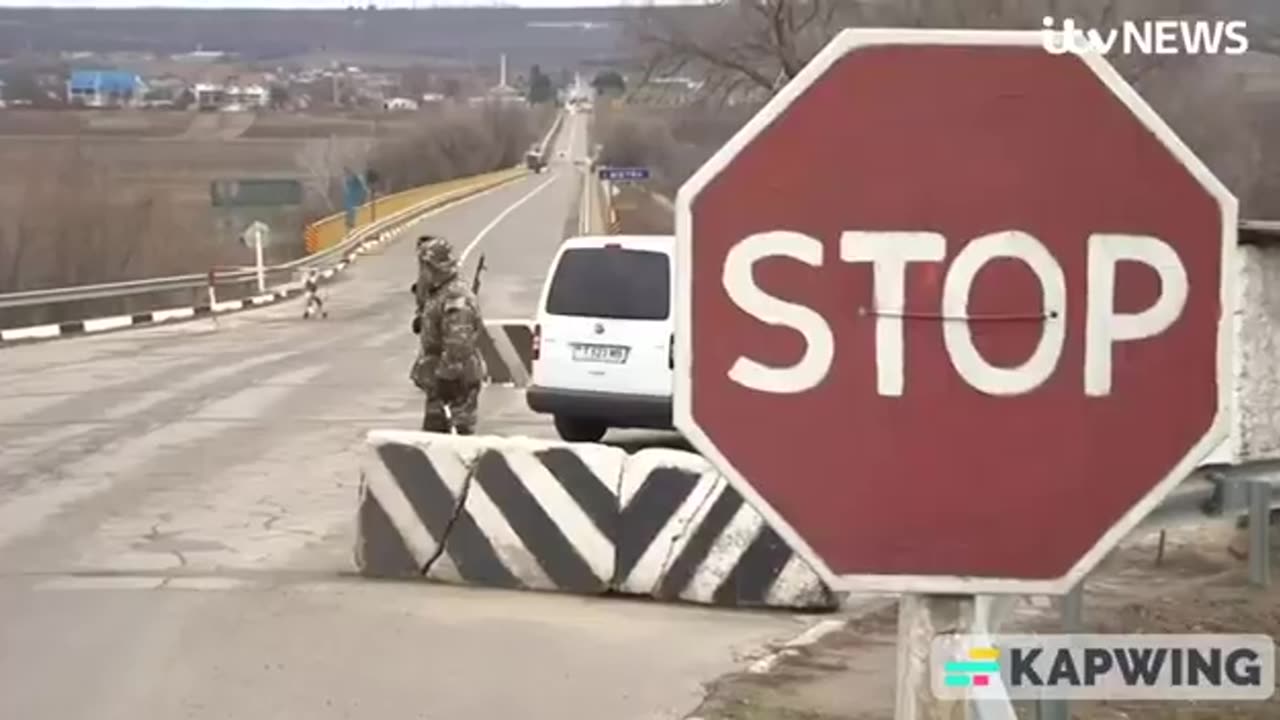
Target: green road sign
(255, 193)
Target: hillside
(552, 37)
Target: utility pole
(371, 176)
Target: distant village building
(105, 88)
(208, 96)
(247, 96)
(164, 91)
(399, 103)
(201, 56)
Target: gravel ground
(639, 213)
(1197, 587)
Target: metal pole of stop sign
(1071, 607)
(1259, 495)
(921, 620)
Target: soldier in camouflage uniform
(449, 368)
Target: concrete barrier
(574, 517)
(686, 534)
(499, 512)
(410, 491)
(507, 348)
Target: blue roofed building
(105, 88)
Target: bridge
(176, 517)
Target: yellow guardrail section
(330, 231)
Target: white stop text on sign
(889, 253)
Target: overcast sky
(331, 4)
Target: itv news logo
(1096, 667)
(1148, 37)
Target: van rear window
(611, 283)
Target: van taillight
(537, 341)
(671, 353)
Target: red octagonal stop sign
(954, 311)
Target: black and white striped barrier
(509, 513)
(507, 349)
(584, 518)
(686, 534)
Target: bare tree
(756, 46)
(325, 164)
(762, 44)
(752, 43)
(457, 143)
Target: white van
(602, 345)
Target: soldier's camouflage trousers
(463, 411)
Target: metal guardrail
(51, 296)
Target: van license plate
(583, 352)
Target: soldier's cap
(436, 252)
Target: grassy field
(148, 160)
(175, 124)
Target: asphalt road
(177, 516)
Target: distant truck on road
(535, 161)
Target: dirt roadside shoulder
(1198, 587)
(640, 212)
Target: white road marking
(475, 242)
(204, 583)
(810, 636)
(104, 582)
(140, 582)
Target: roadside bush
(458, 142)
(1231, 127)
(671, 142)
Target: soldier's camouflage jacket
(449, 339)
